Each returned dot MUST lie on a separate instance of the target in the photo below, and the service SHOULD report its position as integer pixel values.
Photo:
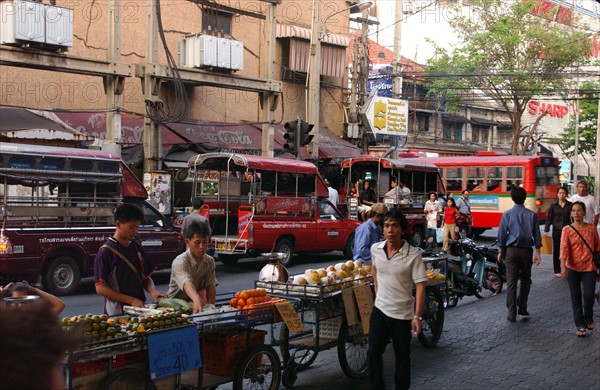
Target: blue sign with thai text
(173, 352)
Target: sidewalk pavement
(480, 349)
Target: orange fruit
(262, 293)
(244, 295)
(241, 302)
(250, 301)
(233, 302)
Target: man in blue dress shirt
(368, 233)
(518, 233)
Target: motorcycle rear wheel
(433, 318)
(492, 284)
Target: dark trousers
(582, 284)
(518, 268)
(382, 329)
(556, 234)
(431, 239)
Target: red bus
(489, 177)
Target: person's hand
(157, 294)
(499, 257)
(4, 290)
(196, 307)
(416, 326)
(545, 234)
(136, 303)
(537, 259)
(563, 273)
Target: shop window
(216, 21)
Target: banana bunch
(430, 274)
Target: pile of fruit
(248, 299)
(339, 275)
(100, 327)
(175, 304)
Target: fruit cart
(323, 314)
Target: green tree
(589, 93)
(509, 55)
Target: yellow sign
(388, 116)
(290, 317)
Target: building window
(504, 136)
(452, 131)
(422, 122)
(480, 134)
(216, 21)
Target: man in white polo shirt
(396, 266)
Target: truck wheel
(349, 249)
(416, 237)
(285, 246)
(228, 259)
(62, 276)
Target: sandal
(591, 325)
(581, 332)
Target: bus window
(545, 176)
(475, 180)
(454, 179)
(494, 177)
(514, 177)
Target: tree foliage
(588, 123)
(509, 55)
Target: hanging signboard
(388, 116)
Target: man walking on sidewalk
(519, 231)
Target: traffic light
(297, 135)
(291, 138)
(305, 136)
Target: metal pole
(597, 190)
(397, 68)
(314, 79)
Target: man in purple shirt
(518, 233)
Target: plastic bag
(439, 235)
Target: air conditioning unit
(36, 24)
(208, 51)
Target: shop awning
(22, 123)
(483, 121)
(333, 50)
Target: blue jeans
(382, 329)
(582, 284)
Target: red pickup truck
(269, 205)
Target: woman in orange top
(577, 267)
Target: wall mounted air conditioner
(208, 51)
(36, 24)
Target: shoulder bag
(595, 255)
(123, 258)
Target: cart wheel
(352, 350)
(290, 374)
(126, 378)
(259, 369)
(302, 358)
(433, 318)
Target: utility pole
(113, 85)
(313, 93)
(268, 100)
(597, 190)
(397, 65)
(150, 88)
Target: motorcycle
(491, 254)
(470, 273)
